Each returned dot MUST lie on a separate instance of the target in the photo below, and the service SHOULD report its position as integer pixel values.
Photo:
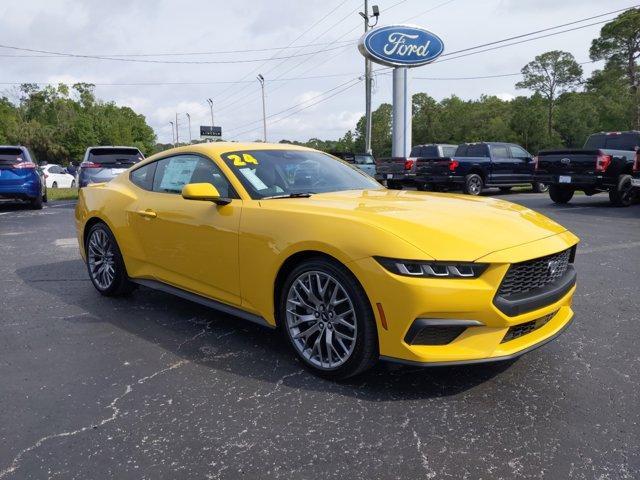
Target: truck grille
(533, 274)
(518, 331)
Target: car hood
(444, 226)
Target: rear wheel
(473, 184)
(622, 194)
(539, 187)
(36, 203)
(105, 264)
(328, 320)
(560, 194)
(54, 185)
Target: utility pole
(173, 138)
(367, 76)
(189, 120)
(210, 102)
(177, 137)
(264, 110)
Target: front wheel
(473, 184)
(560, 194)
(328, 320)
(105, 264)
(539, 187)
(54, 185)
(622, 194)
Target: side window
(499, 151)
(517, 152)
(449, 151)
(173, 173)
(143, 176)
(478, 150)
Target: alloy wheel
(321, 320)
(474, 186)
(101, 260)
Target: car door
(503, 165)
(523, 162)
(190, 244)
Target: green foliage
(59, 123)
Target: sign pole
(401, 123)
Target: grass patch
(62, 193)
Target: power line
(181, 62)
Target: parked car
(605, 164)
(397, 172)
(101, 164)
(475, 166)
(20, 177)
(289, 238)
(57, 177)
(364, 161)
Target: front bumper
(405, 299)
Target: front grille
(518, 331)
(533, 274)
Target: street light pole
(189, 120)
(367, 77)
(264, 110)
(177, 137)
(173, 140)
(210, 102)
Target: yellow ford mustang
(291, 237)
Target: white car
(57, 177)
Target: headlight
(417, 268)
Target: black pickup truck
(475, 166)
(605, 164)
(397, 172)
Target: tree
(380, 131)
(551, 74)
(619, 44)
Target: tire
(560, 194)
(100, 244)
(473, 184)
(356, 349)
(45, 197)
(36, 203)
(73, 184)
(539, 187)
(505, 189)
(622, 194)
(394, 185)
(54, 185)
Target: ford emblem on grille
(565, 161)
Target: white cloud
(507, 97)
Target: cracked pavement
(152, 386)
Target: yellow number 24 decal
(239, 161)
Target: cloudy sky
(320, 35)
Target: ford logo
(565, 161)
(401, 46)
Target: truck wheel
(560, 194)
(539, 187)
(423, 187)
(393, 185)
(473, 184)
(621, 195)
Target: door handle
(147, 213)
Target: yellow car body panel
(233, 253)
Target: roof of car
(218, 148)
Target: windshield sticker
(252, 178)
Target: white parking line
(607, 248)
(66, 242)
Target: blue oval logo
(401, 46)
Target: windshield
(266, 173)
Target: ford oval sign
(401, 46)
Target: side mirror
(204, 192)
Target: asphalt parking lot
(152, 386)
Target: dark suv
(101, 164)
